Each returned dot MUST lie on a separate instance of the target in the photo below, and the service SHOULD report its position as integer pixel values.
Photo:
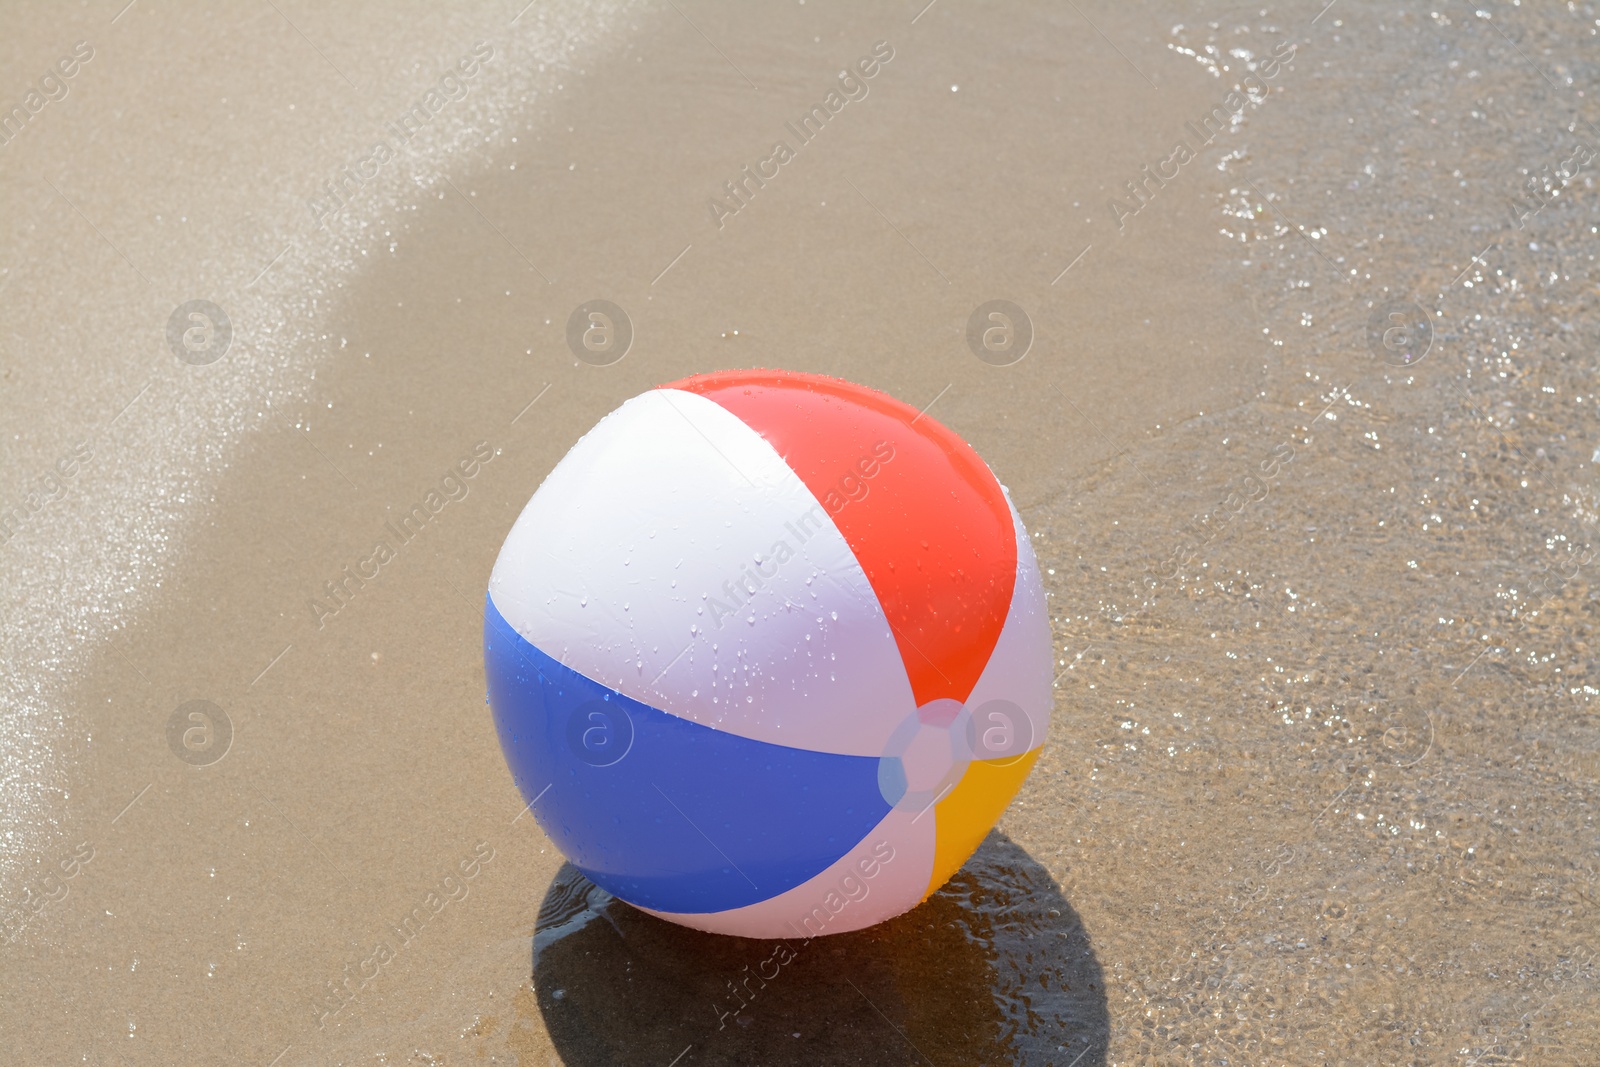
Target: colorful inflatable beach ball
(768, 654)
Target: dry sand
(1322, 782)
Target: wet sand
(1319, 784)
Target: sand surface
(1322, 780)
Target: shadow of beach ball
(993, 968)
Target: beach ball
(768, 654)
